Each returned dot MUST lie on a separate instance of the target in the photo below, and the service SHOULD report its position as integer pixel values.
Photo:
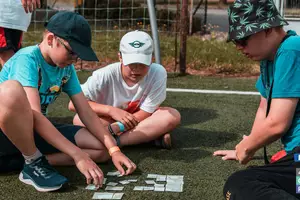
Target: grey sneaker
(41, 175)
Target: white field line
(212, 91)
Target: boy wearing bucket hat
(126, 95)
(256, 28)
(44, 71)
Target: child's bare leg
(160, 122)
(16, 118)
(88, 143)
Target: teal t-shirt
(284, 71)
(29, 68)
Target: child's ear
(120, 56)
(268, 31)
(50, 38)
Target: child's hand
(124, 117)
(89, 169)
(31, 5)
(119, 159)
(226, 154)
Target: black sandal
(164, 142)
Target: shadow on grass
(195, 115)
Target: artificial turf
(209, 122)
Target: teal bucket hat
(247, 17)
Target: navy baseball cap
(73, 28)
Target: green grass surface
(209, 122)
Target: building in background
(290, 9)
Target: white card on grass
(159, 189)
(150, 182)
(152, 175)
(112, 184)
(116, 173)
(159, 185)
(102, 195)
(114, 188)
(148, 188)
(124, 182)
(138, 188)
(161, 178)
(91, 187)
(117, 195)
(174, 188)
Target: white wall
(293, 25)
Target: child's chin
(62, 65)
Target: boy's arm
(129, 120)
(99, 109)
(94, 125)
(141, 115)
(269, 129)
(33, 98)
(47, 131)
(83, 162)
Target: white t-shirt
(107, 86)
(12, 15)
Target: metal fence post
(183, 36)
(154, 30)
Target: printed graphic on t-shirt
(50, 95)
(131, 106)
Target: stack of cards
(174, 182)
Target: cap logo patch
(136, 44)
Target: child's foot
(41, 175)
(164, 141)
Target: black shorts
(276, 181)
(67, 130)
(10, 39)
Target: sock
(33, 157)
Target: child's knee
(176, 115)
(173, 117)
(101, 156)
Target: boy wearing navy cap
(44, 71)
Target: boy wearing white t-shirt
(127, 95)
(15, 16)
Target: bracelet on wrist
(113, 150)
(121, 126)
(111, 130)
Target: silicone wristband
(111, 130)
(113, 150)
(121, 126)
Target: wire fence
(111, 19)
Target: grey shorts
(67, 130)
